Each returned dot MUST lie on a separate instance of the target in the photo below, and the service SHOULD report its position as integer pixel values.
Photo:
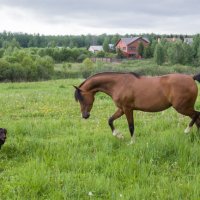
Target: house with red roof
(129, 46)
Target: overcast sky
(64, 17)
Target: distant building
(188, 41)
(95, 49)
(129, 46)
(173, 39)
(111, 46)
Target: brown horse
(130, 92)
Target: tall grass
(51, 153)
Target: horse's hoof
(118, 134)
(187, 130)
(132, 141)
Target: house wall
(91, 49)
(122, 46)
(132, 48)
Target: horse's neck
(100, 84)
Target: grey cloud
(66, 7)
(113, 13)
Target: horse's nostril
(86, 115)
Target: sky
(77, 17)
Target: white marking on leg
(118, 134)
(114, 133)
(132, 140)
(187, 130)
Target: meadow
(52, 153)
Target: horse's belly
(152, 105)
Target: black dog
(3, 132)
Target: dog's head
(3, 132)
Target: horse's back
(158, 93)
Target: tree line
(177, 52)
(41, 41)
(36, 40)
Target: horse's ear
(78, 96)
(77, 88)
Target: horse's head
(86, 100)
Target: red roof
(128, 41)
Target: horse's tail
(197, 77)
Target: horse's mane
(77, 94)
(105, 73)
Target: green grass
(51, 153)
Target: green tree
(153, 46)
(198, 55)
(147, 52)
(120, 54)
(106, 45)
(141, 49)
(159, 56)
(195, 44)
(115, 39)
(188, 54)
(175, 53)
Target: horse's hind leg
(193, 114)
(198, 123)
(194, 120)
(115, 116)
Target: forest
(32, 57)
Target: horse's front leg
(129, 116)
(115, 116)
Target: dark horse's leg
(115, 116)
(193, 114)
(194, 117)
(198, 123)
(129, 117)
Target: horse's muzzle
(86, 115)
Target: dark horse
(130, 92)
(3, 132)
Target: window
(132, 48)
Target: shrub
(17, 72)
(82, 57)
(100, 54)
(87, 67)
(45, 67)
(1, 53)
(159, 56)
(87, 63)
(5, 70)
